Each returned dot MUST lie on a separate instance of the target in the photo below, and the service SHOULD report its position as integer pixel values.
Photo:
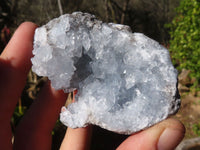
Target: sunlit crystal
(126, 81)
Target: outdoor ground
(189, 113)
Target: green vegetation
(185, 38)
(196, 128)
(17, 115)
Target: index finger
(14, 66)
(19, 50)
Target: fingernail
(169, 139)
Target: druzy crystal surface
(125, 81)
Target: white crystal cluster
(126, 81)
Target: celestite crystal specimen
(126, 81)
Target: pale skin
(34, 130)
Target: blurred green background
(173, 23)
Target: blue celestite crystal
(126, 81)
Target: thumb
(166, 135)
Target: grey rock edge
(126, 81)
(189, 144)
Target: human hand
(165, 135)
(34, 130)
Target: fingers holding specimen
(77, 139)
(38, 122)
(166, 135)
(19, 49)
(14, 66)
